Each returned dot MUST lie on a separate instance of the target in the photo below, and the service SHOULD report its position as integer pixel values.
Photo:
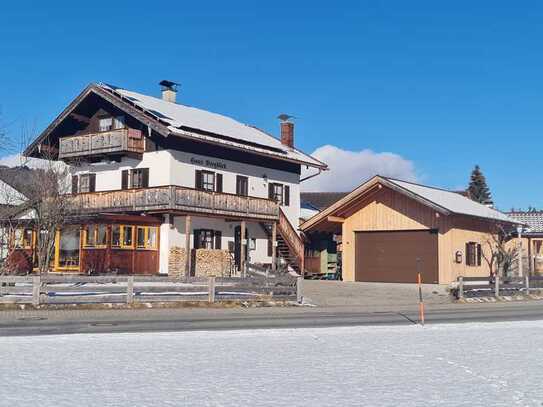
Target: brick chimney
(169, 90)
(287, 130)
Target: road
(167, 320)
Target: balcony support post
(242, 249)
(274, 246)
(188, 254)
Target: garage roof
(443, 201)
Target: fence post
(527, 282)
(36, 288)
(299, 295)
(211, 289)
(460, 287)
(497, 286)
(130, 290)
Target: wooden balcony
(175, 199)
(113, 142)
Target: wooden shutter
(218, 236)
(196, 234)
(270, 190)
(270, 247)
(218, 182)
(92, 182)
(198, 181)
(286, 195)
(145, 177)
(479, 254)
(467, 254)
(124, 179)
(75, 183)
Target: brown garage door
(391, 256)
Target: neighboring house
(392, 229)
(531, 238)
(321, 248)
(171, 189)
(14, 191)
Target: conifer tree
(478, 189)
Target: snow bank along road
(471, 364)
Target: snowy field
(493, 364)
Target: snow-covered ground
(486, 364)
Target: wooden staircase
(290, 245)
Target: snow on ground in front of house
(475, 364)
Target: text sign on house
(208, 163)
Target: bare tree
(500, 258)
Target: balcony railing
(175, 198)
(108, 142)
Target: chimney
(169, 90)
(287, 130)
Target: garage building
(390, 230)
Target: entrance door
(237, 246)
(396, 256)
(67, 249)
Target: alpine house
(172, 189)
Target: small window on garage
(473, 254)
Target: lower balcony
(175, 199)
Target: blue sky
(444, 85)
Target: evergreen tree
(478, 190)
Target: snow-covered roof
(447, 202)
(533, 219)
(452, 201)
(181, 119)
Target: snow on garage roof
(444, 201)
(452, 201)
(181, 119)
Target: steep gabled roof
(188, 122)
(321, 200)
(441, 200)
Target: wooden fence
(51, 289)
(469, 287)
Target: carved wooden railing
(107, 142)
(291, 238)
(172, 198)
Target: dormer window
(111, 123)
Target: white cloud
(348, 169)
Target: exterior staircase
(290, 245)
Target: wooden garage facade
(391, 229)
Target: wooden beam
(242, 248)
(274, 244)
(188, 257)
(336, 219)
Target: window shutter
(198, 181)
(286, 195)
(218, 181)
(218, 236)
(196, 234)
(145, 177)
(124, 179)
(75, 183)
(92, 182)
(270, 190)
(467, 254)
(270, 247)
(479, 254)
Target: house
(531, 238)
(321, 248)
(391, 230)
(162, 187)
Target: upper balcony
(168, 199)
(113, 142)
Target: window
(95, 236)
(118, 122)
(105, 124)
(135, 178)
(473, 254)
(127, 236)
(83, 183)
(207, 239)
(116, 236)
(279, 193)
(208, 181)
(68, 248)
(242, 185)
(22, 238)
(146, 237)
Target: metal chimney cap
(168, 85)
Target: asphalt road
(164, 320)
